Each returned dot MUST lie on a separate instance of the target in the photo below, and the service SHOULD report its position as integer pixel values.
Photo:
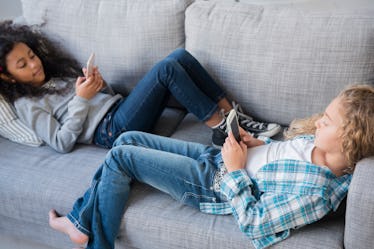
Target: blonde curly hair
(357, 131)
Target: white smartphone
(233, 124)
(90, 64)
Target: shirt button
(110, 134)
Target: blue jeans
(184, 170)
(180, 75)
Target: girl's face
(24, 66)
(327, 136)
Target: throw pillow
(13, 129)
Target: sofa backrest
(127, 36)
(279, 59)
(283, 60)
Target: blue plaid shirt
(284, 194)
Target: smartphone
(90, 64)
(233, 124)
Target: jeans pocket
(103, 136)
(193, 199)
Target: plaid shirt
(284, 194)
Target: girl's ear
(7, 78)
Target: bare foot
(63, 224)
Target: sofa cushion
(360, 207)
(128, 37)
(13, 129)
(292, 60)
(152, 219)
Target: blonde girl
(270, 187)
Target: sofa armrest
(359, 227)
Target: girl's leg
(143, 106)
(99, 212)
(181, 169)
(199, 75)
(167, 144)
(206, 83)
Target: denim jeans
(184, 170)
(180, 75)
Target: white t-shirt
(296, 149)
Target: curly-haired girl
(38, 78)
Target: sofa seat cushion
(48, 180)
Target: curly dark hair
(56, 62)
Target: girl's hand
(248, 139)
(96, 73)
(234, 154)
(88, 87)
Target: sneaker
(254, 127)
(219, 135)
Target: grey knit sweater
(61, 121)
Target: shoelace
(246, 120)
(222, 114)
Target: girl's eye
(324, 121)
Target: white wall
(10, 9)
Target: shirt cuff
(234, 182)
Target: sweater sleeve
(61, 137)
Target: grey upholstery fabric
(279, 60)
(272, 58)
(50, 180)
(192, 130)
(128, 37)
(360, 208)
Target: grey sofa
(279, 59)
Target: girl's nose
(33, 64)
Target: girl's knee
(179, 53)
(118, 160)
(127, 137)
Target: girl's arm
(274, 213)
(61, 137)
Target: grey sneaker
(254, 127)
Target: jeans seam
(78, 225)
(188, 194)
(84, 208)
